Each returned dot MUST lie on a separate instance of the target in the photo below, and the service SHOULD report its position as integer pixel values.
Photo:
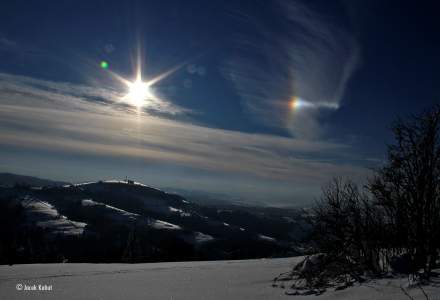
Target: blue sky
(265, 101)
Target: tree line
(393, 222)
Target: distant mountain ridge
(10, 179)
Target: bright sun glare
(138, 92)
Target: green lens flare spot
(104, 64)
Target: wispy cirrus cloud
(66, 118)
(77, 94)
(302, 55)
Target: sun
(138, 92)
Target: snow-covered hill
(114, 221)
(212, 280)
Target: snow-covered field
(245, 279)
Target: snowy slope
(245, 279)
(44, 215)
(99, 221)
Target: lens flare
(104, 64)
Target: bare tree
(348, 227)
(407, 188)
(393, 222)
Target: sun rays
(140, 92)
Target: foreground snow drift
(245, 279)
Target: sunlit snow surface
(212, 280)
(179, 212)
(120, 213)
(266, 238)
(108, 181)
(157, 224)
(116, 211)
(201, 237)
(46, 216)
